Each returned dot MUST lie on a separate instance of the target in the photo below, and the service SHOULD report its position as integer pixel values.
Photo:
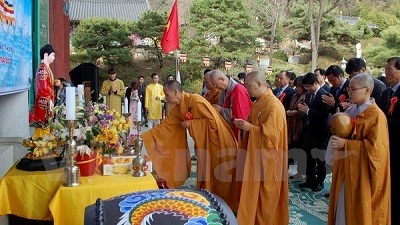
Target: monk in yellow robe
(153, 101)
(213, 93)
(360, 190)
(264, 195)
(216, 146)
(114, 90)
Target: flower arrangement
(98, 127)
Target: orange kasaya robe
(212, 96)
(363, 166)
(264, 195)
(216, 148)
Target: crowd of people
(247, 132)
(244, 132)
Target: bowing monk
(360, 190)
(234, 101)
(216, 147)
(213, 93)
(264, 195)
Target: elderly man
(360, 191)
(216, 146)
(234, 102)
(391, 107)
(264, 195)
(284, 92)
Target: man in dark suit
(285, 93)
(142, 96)
(316, 133)
(356, 66)
(337, 99)
(320, 73)
(391, 107)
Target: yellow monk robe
(114, 101)
(212, 96)
(364, 168)
(216, 148)
(151, 103)
(264, 195)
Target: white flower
(84, 149)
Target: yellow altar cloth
(40, 195)
(28, 194)
(69, 203)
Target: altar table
(40, 195)
(69, 203)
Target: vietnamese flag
(170, 39)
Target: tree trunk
(314, 40)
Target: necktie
(312, 98)
(338, 91)
(278, 93)
(391, 93)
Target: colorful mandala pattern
(182, 207)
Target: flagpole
(177, 54)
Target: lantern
(228, 65)
(206, 61)
(249, 68)
(343, 63)
(183, 57)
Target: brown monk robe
(264, 194)
(216, 146)
(360, 190)
(213, 93)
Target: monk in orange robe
(264, 194)
(213, 93)
(216, 146)
(360, 190)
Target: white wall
(14, 127)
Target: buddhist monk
(234, 102)
(360, 190)
(264, 194)
(213, 93)
(216, 146)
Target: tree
(270, 13)
(324, 7)
(104, 41)
(151, 25)
(222, 30)
(378, 53)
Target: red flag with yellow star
(170, 39)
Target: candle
(80, 94)
(139, 110)
(70, 103)
(125, 108)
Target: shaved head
(257, 76)
(219, 79)
(216, 74)
(173, 85)
(207, 81)
(256, 83)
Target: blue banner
(15, 45)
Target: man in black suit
(285, 92)
(142, 96)
(337, 99)
(320, 73)
(316, 133)
(356, 66)
(390, 105)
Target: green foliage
(377, 54)
(103, 40)
(220, 29)
(378, 15)
(281, 55)
(151, 25)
